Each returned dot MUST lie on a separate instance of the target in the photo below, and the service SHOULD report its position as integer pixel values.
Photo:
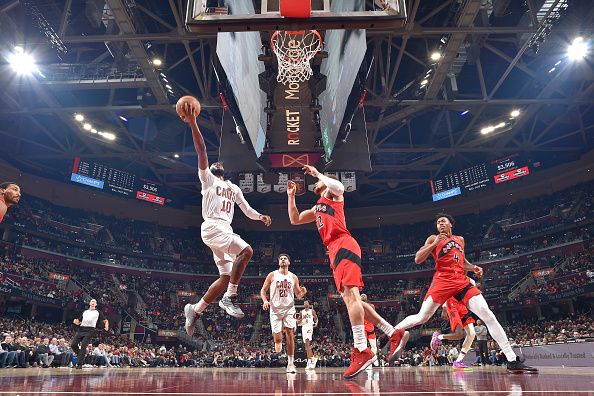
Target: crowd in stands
(512, 243)
(93, 236)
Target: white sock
(200, 306)
(386, 327)
(461, 356)
(290, 360)
(231, 290)
(359, 337)
(440, 336)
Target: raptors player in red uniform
(345, 261)
(450, 280)
(10, 194)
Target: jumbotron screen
(479, 176)
(116, 181)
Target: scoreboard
(116, 181)
(479, 176)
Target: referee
(87, 324)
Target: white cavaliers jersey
(307, 317)
(218, 197)
(282, 296)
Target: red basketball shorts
(458, 314)
(345, 261)
(446, 285)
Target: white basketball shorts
(307, 333)
(224, 243)
(281, 319)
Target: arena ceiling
(417, 130)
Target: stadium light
(176, 155)
(424, 82)
(578, 49)
(93, 130)
(87, 127)
(79, 117)
(435, 56)
(514, 113)
(157, 62)
(487, 129)
(21, 62)
(108, 135)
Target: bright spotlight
(487, 129)
(93, 130)
(157, 62)
(79, 117)
(435, 56)
(87, 127)
(168, 86)
(424, 82)
(123, 118)
(108, 135)
(578, 49)
(21, 62)
(514, 113)
(176, 155)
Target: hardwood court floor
(386, 381)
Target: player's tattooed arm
(199, 144)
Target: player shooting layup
(231, 253)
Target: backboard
(213, 16)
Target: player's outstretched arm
(249, 211)
(296, 217)
(335, 187)
(430, 244)
(199, 144)
(264, 291)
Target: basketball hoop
(294, 50)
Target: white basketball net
(294, 50)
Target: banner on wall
(167, 333)
(183, 293)
(541, 273)
(572, 354)
(59, 277)
(411, 292)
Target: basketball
(192, 102)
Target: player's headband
(217, 169)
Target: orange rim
(296, 32)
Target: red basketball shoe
(395, 340)
(359, 362)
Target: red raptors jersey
(330, 220)
(449, 255)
